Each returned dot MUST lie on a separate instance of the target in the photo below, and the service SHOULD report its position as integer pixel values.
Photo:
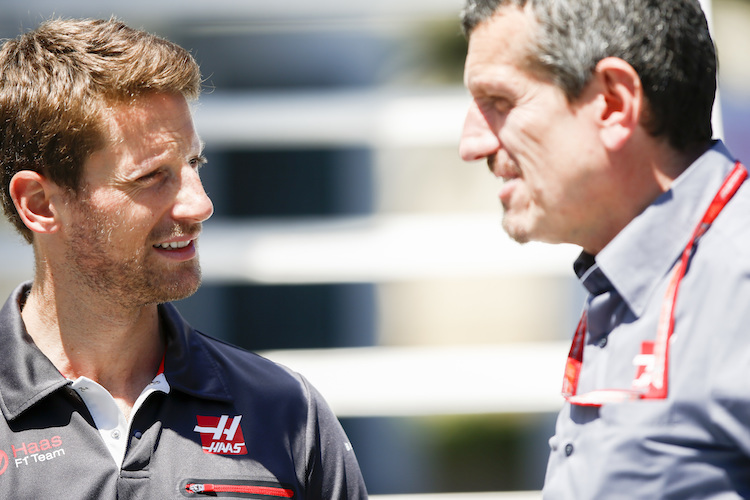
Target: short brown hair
(56, 81)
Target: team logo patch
(221, 435)
(3, 462)
(644, 363)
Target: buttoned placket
(604, 307)
(109, 419)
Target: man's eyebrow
(201, 156)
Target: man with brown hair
(106, 392)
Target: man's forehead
(146, 109)
(502, 41)
(142, 133)
(150, 120)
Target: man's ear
(32, 194)
(622, 101)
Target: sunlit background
(350, 242)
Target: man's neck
(86, 335)
(644, 173)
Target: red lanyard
(652, 384)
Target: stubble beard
(134, 281)
(510, 225)
(513, 229)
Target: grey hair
(666, 41)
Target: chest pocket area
(235, 488)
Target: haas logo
(221, 435)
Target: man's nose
(478, 139)
(192, 203)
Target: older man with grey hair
(597, 116)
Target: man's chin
(176, 294)
(178, 287)
(516, 232)
(180, 292)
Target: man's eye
(495, 105)
(502, 105)
(150, 177)
(197, 162)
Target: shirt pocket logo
(221, 435)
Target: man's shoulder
(730, 233)
(237, 361)
(236, 356)
(198, 360)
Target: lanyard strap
(656, 372)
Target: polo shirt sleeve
(333, 471)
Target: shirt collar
(27, 376)
(191, 365)
(636, 260)
(591, 275)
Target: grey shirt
(696, 442)
(231, 421)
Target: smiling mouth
(507, 175)
(173, 245)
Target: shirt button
(603, 342)
(115, 434)
(137, 435)
(568, 449)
